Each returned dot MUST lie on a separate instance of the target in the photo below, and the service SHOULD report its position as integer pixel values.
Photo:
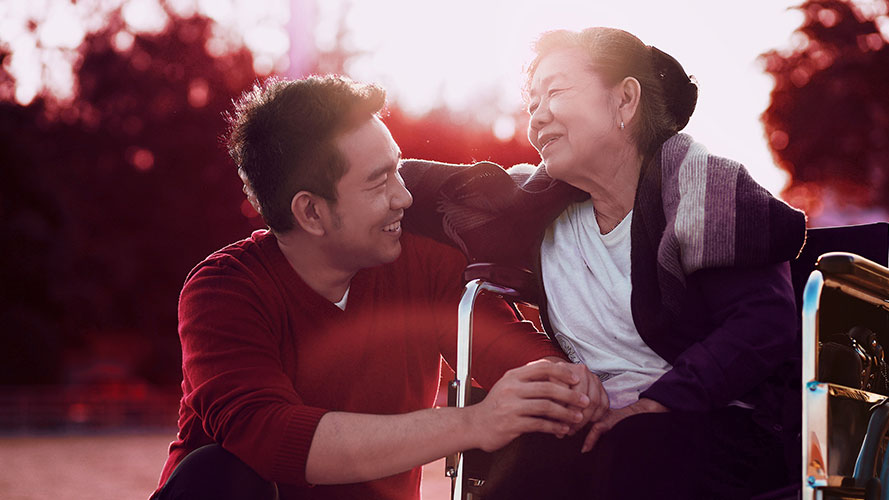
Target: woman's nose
(540, 116)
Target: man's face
(371, 198)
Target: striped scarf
(707, 212)
(692, 211)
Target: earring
(621, 125)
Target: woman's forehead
(561, 64)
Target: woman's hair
(281, 138)
(668, 95)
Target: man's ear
(307, 209)
(630, 93)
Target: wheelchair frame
(480, 278)
(843, 428)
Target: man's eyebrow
(379, 172)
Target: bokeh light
(468, 56)
(464, 55)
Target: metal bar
(810, 309)
(814, 439)
(462, 374)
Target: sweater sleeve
(233, 377)
(756, 330)
(501, 340)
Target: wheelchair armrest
(522, 281)
(855, 270)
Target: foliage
(109, 202)
(828, 120)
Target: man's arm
(247, 404)
(349, 447)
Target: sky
(467, 55)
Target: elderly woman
(662, 268)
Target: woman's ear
(630, 93)
(307, 210)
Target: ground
(109, 465)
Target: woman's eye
(553, 92)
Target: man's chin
(392, 255)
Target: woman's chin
(556, 170)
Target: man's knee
(211, 472)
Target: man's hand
(612, 417)
(537, 397)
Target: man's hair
(281, 138)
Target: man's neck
(310, 262)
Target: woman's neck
(612, 189)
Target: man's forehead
(369, 150)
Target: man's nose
(401, 198)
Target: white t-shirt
(586, 275)
(343, 301)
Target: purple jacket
(729, 329)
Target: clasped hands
(558, 398)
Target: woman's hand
(591, 386)
(614, 416)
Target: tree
(108, 201)
(112, 199)
(828, 120)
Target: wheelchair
(845, 413)
(841, 281)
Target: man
(311, 352)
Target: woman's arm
(757, 330)
(754, 312)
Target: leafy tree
(111, 200)
(108, 201)
(32, 234)
(828, 120)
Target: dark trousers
(714, 455)
(211, 473)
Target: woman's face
(574, 122)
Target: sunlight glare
(123, 41)
(58, 30)
(222, 12)
(27, 74)
(504, 128)
(468, 56)
(144, 16)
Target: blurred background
(114, 181)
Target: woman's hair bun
(680, 90)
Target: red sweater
(264, 356)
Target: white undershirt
(587, 279)
(342, 302)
